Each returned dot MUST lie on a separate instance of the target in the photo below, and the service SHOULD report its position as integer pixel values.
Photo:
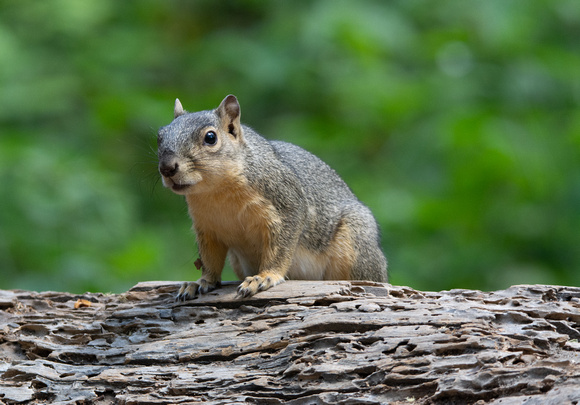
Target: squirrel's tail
(369, 262)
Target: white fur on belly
(308, 265)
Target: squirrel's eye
(210, 138)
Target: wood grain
(301, 342)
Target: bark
(300, 342)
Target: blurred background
(456, 122)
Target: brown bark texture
(301, 342)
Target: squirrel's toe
(190, 290)
(187, 291)
(251, 285)
(205, 286)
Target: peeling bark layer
(300, 342)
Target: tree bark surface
(302, 342)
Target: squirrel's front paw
(190, 290)
(251, 285)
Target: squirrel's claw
(190, 290)
(251, 285)
(206, 286)
(242, 293)
(187, 291)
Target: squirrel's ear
(229, 114)
(178, 109)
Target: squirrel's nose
(168, 167)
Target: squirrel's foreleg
(276, 261)
(213, 256)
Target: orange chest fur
(235, 215)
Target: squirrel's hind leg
(366, 258)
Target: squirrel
(277, 211)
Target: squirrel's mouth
(179, 187)
(174, 186)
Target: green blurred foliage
(457, 122)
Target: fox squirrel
(275, 209)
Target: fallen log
(299, 342)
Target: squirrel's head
(198, 149)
